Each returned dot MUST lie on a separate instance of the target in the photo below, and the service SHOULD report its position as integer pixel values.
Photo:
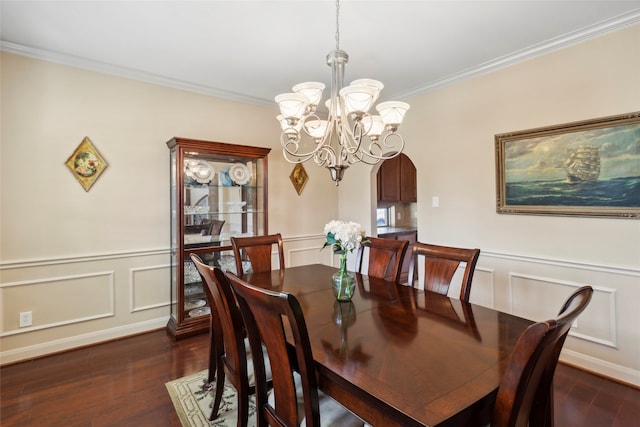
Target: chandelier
(350, 134)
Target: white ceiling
(253, 50)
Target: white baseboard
(602, 367)
(50, 347)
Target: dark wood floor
(121, 383)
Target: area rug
(192, 397)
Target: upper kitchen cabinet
(397, 180)
(218, 191)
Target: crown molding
(102, 67)
(557, 43)
(552, 45)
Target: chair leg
(212, 368)
(218, 397)
(213, 357)
(243, 406)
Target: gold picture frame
(86, 164)
(586, 168)
(299, 178)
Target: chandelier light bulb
(291, 132)
(378, 86)
(292, 106)
(373, 126)
(313, 92)
(316, 128)
(358, 99)
(392, 113)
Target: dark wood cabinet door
(397, 180)
(389, 180)
(408, 185)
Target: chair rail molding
(70, 259)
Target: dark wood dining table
(399, 356)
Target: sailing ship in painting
(583, 165)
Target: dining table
(399, 356)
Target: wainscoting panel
(81, 300)
(605, 338)
(305, 256)
(150, 287)
(36, 296)
(536, 298)
(482, 286)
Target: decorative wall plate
(299, 178)
(239, 173)
(86, 164)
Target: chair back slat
(440, 273)
(258, 250)
(440, 265)
(385, 257)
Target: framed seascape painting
(588, 168)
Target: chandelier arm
(396, 149)
(326, 156)
(292, 146)
(291, 155)
(288, 158)
(327, 133)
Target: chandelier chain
(337, 24)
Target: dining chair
(295, 397)
(230, 354)
(440, 265)
(525, 394)
(258, 250)
(385, 257)
(215, 227)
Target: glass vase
(344, 282)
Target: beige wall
(95, 265)
(528, 266)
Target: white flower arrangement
(343, 236)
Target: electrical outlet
(26, 318)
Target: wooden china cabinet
(218, 190)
